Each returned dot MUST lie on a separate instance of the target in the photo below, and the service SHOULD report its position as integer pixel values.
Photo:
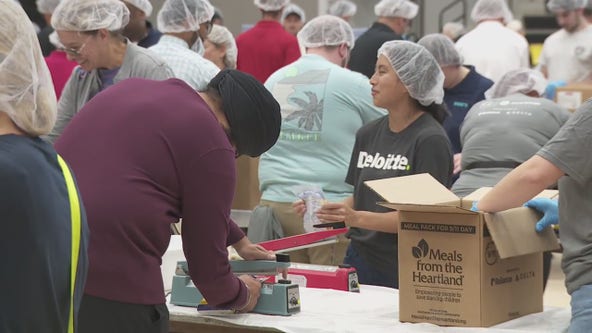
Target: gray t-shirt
(507, 129)
(571, 151)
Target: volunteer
(220, 47)
(138, 177)
(344, 9)
(44, 233)
(565, 159)
(409, 140)
(90, 31)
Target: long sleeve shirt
(145, 154)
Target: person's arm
(520, 185)
(343, 211)
(66, 107)
(208, 188)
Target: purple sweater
(146, 153)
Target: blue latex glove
(550, 210)
(474, 206)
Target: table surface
(374, 309)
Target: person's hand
(474, 206)
(253, 290)
(299, 207)
(250, 251)
(550, 210)
(337, 212)
(457, 163)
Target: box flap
(513, 233)
(427, 208)
(480, 193)
(420, 189)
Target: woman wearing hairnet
(37, 229)
(90, 31)
(505, 130)
(409, 140)
(220, 47)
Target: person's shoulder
(147, 57)
(372, 127)
(555, 37)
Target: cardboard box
(246, 195)
(463, 268)
(573, 95)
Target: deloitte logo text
(377, 161)
(436, 266)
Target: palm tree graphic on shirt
(310, 114)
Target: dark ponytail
(438, 111)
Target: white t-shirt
(493, 49)
(568, 56)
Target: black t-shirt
(363, 55)
(35, 242)
(381, 153)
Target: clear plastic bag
(314, 199)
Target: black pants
(98, 315)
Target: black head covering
(252, 112)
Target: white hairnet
(88, 15)
(47, 6)
(558, 5)
(491, 10)
(521, 81)
(271, 5)
(143, 5)
(417, 69)
(343, 8)
(442, 48)
(26, 90)
(183, 15)
(293, 9)
(453, 29)
(396, 8)
(326, 30)
(222, 36)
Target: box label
(436, 227)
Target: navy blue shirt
(459, 101)
(152, 38)
(363, 55)
(35, 242)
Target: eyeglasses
(74, 52)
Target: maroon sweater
(146, 153)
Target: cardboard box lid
(420, 192)
(513, 233)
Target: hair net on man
(252, 112)
(442, 48)
(271, 5)
(453, 29)
(396, 8)
(343, 8)
(326, 30)
(183, 15)
(222, 36)
(293, 9)
(143, 5)
(88, 15)
(565, 5)
(47, 6)
(518, 81)
(417, 69)
(491, 10)
(26, 91)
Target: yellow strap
(76, 233)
